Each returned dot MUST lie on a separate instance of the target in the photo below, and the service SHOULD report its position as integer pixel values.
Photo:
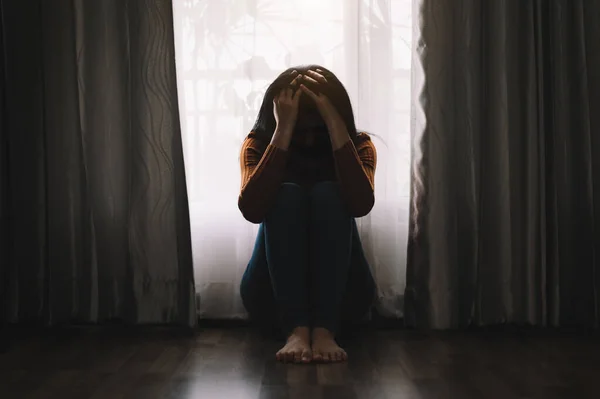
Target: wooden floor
(236, 363)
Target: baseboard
(377, 322)
(223, 323)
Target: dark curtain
(93, 184)
(506, 182)
(4, 221)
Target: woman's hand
(328, 112)
(336, 126)
(285, 105)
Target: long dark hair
(264, 127)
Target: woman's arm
(355, 166)
(262, 173)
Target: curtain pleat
(100, 221)
(504, 216)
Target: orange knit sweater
(265, 168)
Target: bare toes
(306, 356)
(297, 356)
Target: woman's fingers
(309, 92)
(317, 76)
(290, 89)
(296, 80)
(309, 79)
(314, 78)
(285, 93)
(294, 84)
(296, 98)
(282, 94)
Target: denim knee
(290, 198)
(327, 195)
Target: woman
(306, 174)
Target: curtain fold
(4, 214)
(505, 201)
(99, 216)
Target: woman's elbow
(364, 206)
(250, 213)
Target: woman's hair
(264, 127)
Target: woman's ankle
(302, 332)
(322, 332)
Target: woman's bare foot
(324, 347)
(297, 348)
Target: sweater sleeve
(355, 166)
(262, 173)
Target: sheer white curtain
(228, 51)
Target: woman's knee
(291, 201)
(327, 195)
(290, 193)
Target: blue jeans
(308, 267)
